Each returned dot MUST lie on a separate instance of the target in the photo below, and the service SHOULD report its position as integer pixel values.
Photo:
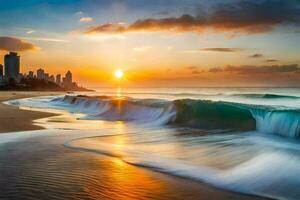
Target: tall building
(46, 78)
(67, 80)
(30, 74)
(3, 80)
(40, 74)
(12, 65)
(58, 79)
(52, 79)
(69, 77)
(1, 70)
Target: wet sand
(13, 119)
(38, 169)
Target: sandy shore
(13, 119)
(38, 169)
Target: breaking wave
(204, 114)
(229, 161)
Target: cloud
(257, 55)
(243, 17)
(192, 67)
(107, 28)
(30, 31)
(185, 23)
(196, 72)
(247, 70)
(222, 49)
(271, 60)
(216, 69)
(45, 39)
(15, 44)
(79, 13)
(86, 19)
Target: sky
(157, 43)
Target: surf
(204, 114)
(222, 143)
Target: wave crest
(203, 114)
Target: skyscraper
(58, 79)
(40, 74)
(12, 65)
(67, 80)
(69, 77)
(30, 74)
(51, 78)
(1, 70)
(46, 78)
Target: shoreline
(14, 119)
(219, 191)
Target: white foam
(285, 123)
(114, 110)
(272, 172)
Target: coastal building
(3, 79)
(46, 78)
(69, 77)
(10, 75)
(52, 79)
(67, 80)
(12, 65)
(1, 70)
(58, 79)
(40, 74)
(30, 74)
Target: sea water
(241, 139)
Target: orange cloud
(257, 55)
(86, 19)
(15, 44)
(246, 17)
(271, 60)
(268, 69)
(107, 28)
(222, 49)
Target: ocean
(244, 140)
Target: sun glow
(119, 73)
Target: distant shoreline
(44, 90)
(34, 84)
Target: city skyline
(191, 43)
(11, 71)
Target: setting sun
(119, 73)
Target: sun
(119, 73)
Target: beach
(42, 167)
(142, 100)
(14, 119)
